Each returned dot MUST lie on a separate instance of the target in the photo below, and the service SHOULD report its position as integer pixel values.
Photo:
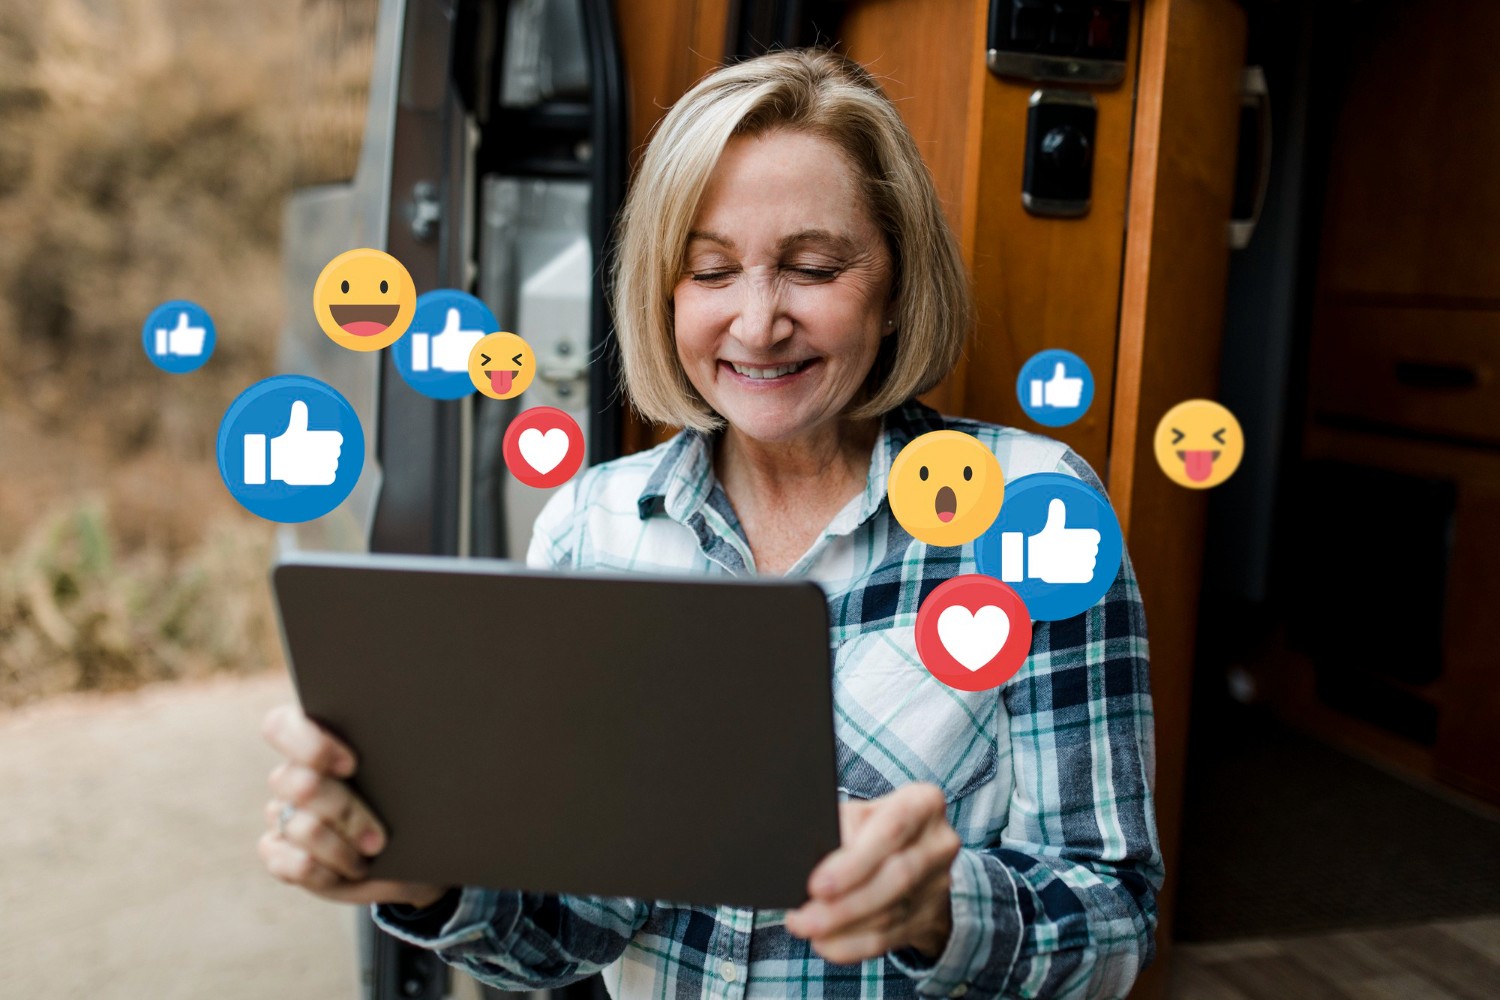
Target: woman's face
(785, 289)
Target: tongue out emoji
(501, 365)
(1200, 463)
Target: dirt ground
(127, 854)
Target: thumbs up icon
(299, 457)
(1060, 390)
(1056, 554)
(447, 351)
(182, 340)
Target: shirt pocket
(895, 723)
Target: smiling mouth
(1200, 463)
(945, 504)
(363, 321)
(500, 379)
(767, 374)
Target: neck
(824, 460)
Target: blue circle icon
(290, 448)
(1056, 542)
(178, 336)
(1055, 387)
(433, 355)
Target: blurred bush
(146, 150)
(74, 616)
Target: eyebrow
(837, 242)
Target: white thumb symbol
(451, 326)
(1062, 391)
(1059, 554)
(299, 420)
(1057, 514)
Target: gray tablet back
(662, 738)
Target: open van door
(493, 161)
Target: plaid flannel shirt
(1048, 778)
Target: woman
(785, 285)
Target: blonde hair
(822, 93)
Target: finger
(897, 820)
(295, 866)
(916, 873)
(299, 418)
(326, 846)
(1059, 372)
(1057, 515)
(869, 939)
(303, 741)
(331, 801)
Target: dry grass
(146, 149)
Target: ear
(889, 327)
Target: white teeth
(776, 372)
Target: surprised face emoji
(946, 488)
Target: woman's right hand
(329, 832)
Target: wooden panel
(1171, 322)
(668, 46)
(1387, 364)
(1042, 282)
(1411, 198)
(929, 58)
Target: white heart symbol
(543, 452)
(973, 638)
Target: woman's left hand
(887, 886)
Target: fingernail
(369, 841)
(345, 766)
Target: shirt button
(959, 990)
(726, 969)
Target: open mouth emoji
(945, 504)
(945, 488)
(364, 300)
(362, 320)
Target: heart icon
(543, 452)
(973, 638)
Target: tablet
(666, 738)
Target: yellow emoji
(946, 488)
(501, 365)
(1199, 444)
(364, 300)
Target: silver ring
(284, 817)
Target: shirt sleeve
(1063, 905)
(525, 941)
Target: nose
(761, 322)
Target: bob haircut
(812, 91)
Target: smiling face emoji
(501, 365)
(364, 300)
(946, 488)
(1199, 444)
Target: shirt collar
(683, 477)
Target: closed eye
(1219, 435)
(1179, 435)
(484, 360)
(516, 361)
